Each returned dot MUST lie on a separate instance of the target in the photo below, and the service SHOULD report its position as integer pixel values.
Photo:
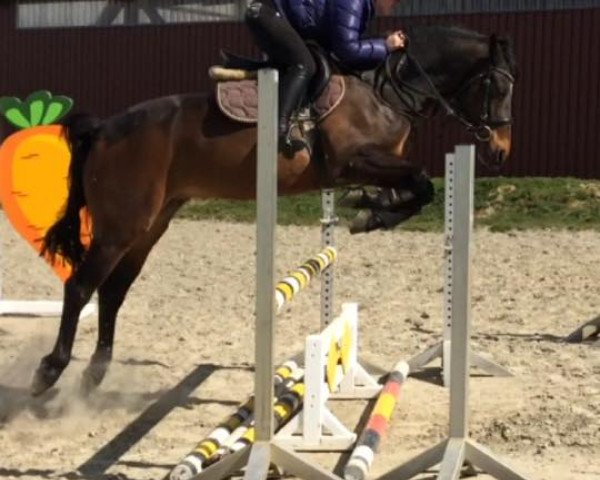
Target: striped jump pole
(368, 444)
(587, 331)
(285, 408)
(285, 377)
(299, 279)
(232, 445)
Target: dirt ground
(184, 350)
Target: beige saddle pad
(238, 99)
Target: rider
(280, 28)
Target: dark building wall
(443, 7)
(105, 69)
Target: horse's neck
(416, 85)
(400, 97)
(374, 119)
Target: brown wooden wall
(557, 103)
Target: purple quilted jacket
(338, 26)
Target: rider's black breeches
(276, 37)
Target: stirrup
(291, 145)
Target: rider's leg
(275, 36)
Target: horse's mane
(428, 36)
(420, 33)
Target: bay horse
(134, 171)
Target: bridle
(482, 127)
(486, 122)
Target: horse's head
(468, 75)
(484, 100)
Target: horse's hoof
(88, 384)
(366, 221)
(92, 377)
(45, 377)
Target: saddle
(237, 89)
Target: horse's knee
(113, 292)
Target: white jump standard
(265, 452)
(331, 358)
(458, 447)
(442, 349)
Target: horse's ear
(501, 52)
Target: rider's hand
(396, 41)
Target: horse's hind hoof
(366, 221)
(88, 384)
(45, 377)
(92, 377)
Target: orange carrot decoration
(34, 164)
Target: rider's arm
(346, 31)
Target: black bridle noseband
(481, 128)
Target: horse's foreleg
(405, 189)
(112, 292)
(96, 266)
(372, 166)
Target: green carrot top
(40, 108)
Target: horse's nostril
(500, 157)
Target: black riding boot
(293, 88)
(288, 51)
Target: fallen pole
(587, 331)
(242, 430)
(285, 377)
(368, 444)
(285, 408)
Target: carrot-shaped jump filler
(34, 165)
(368, 443)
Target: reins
(481, 130)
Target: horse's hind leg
(112, 292)
(96, 266)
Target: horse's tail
(63, 238)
